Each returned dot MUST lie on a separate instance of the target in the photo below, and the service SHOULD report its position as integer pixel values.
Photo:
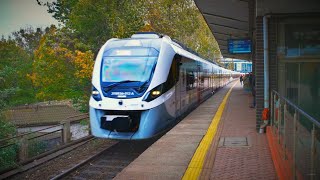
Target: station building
(283, 39)
(239, 65)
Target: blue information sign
(239, 46)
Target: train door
(212, 80)
(199, 89)
(220, 78)
(187, 80)
(176, 63)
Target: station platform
(218, 140)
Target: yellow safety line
(195, 166)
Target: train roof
(149, 39)
(133, 42)
(154, 39)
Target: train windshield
(128, 64)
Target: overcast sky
(16, 14)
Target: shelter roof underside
(227, 19)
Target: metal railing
(25, 146)
(298, 135)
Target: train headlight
(95, 94)
(154, 93)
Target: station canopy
(228, 20)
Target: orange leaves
(146, 28)
(60, 72)
(83, 63)
(32, 77)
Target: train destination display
(239, 46)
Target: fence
(297, 138)
(23, 147)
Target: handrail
(44, 134)
(24, 134)
(85, 115)
(13, 143)
(79, 115)
(313, 120)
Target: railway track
(45, 157)
(107, 163)
(57, 161)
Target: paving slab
(155, 172)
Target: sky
(16, 14)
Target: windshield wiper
(118, 83)
(143, 84)
(140, 88)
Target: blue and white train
(144, 84)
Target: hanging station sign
(239, 46)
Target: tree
(59, 9)
(15, 63)
(60, 70)
(93, 22)
(28, 38)
(174, 18)
(181, 20)
(83, 63)
(14, 87)
(203, 41)
(52, 72)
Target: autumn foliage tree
(96, 21)
(175, 18)
(202, 40)
(181, 20)
(93, 22)
(59, 70)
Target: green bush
(36, 147)
(7, 129)
(8, 157)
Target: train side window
(190, 80)
(173, 76)
(183, 72)
(177, 63)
